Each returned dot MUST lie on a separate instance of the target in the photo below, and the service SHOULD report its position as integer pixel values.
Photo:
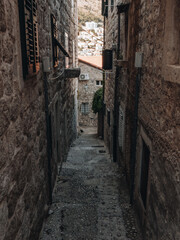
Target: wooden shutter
(29, 36)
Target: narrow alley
(90, 199)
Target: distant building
(90, 42)
(90, 80)
(99, 30)
(91, 25)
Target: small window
(144, 172)
(74, 54)
(173, 32)
(123, 31)
(29, 37)
(72, 6)
(85, 108)
(56, 43)
(112, 5)
(67, 49)
(99, 83)
(105, 8)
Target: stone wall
(152, 30)
(24, 182)
(86, 90)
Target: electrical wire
(54, 78)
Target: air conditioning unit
(84, 76)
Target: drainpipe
(46, 69)
(103, 112)
(138, 64)
(115, 96)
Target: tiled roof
(94, 61)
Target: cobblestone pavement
(89, 200)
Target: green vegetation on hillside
(88, 17)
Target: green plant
(88, 17)
(97, 104)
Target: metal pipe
(48, 137)
(103, 84)
(119, 29)
(103, 112)
(115, 117)
(115, 96)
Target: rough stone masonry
(24, 187)
(149, 114)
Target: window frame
(29, 37)
(100, 83)
(56, 43)
(55, 53)
(123, 9)
(112, 5)
(85, 108)
(105, 4)
(66, 46)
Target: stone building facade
(90, 80)
(142, 105)
(38, 112)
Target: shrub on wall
(97, 104)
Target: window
(67, 49)
(123, 31)
(74, 54)
(85, 108)
(54, 36)
(144, 172)
(173, 32)
(56, 43)
(72, 6)
(112, 5)
(105, 8)
(99, 83)
(29, 37)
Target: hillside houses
(90, 39)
